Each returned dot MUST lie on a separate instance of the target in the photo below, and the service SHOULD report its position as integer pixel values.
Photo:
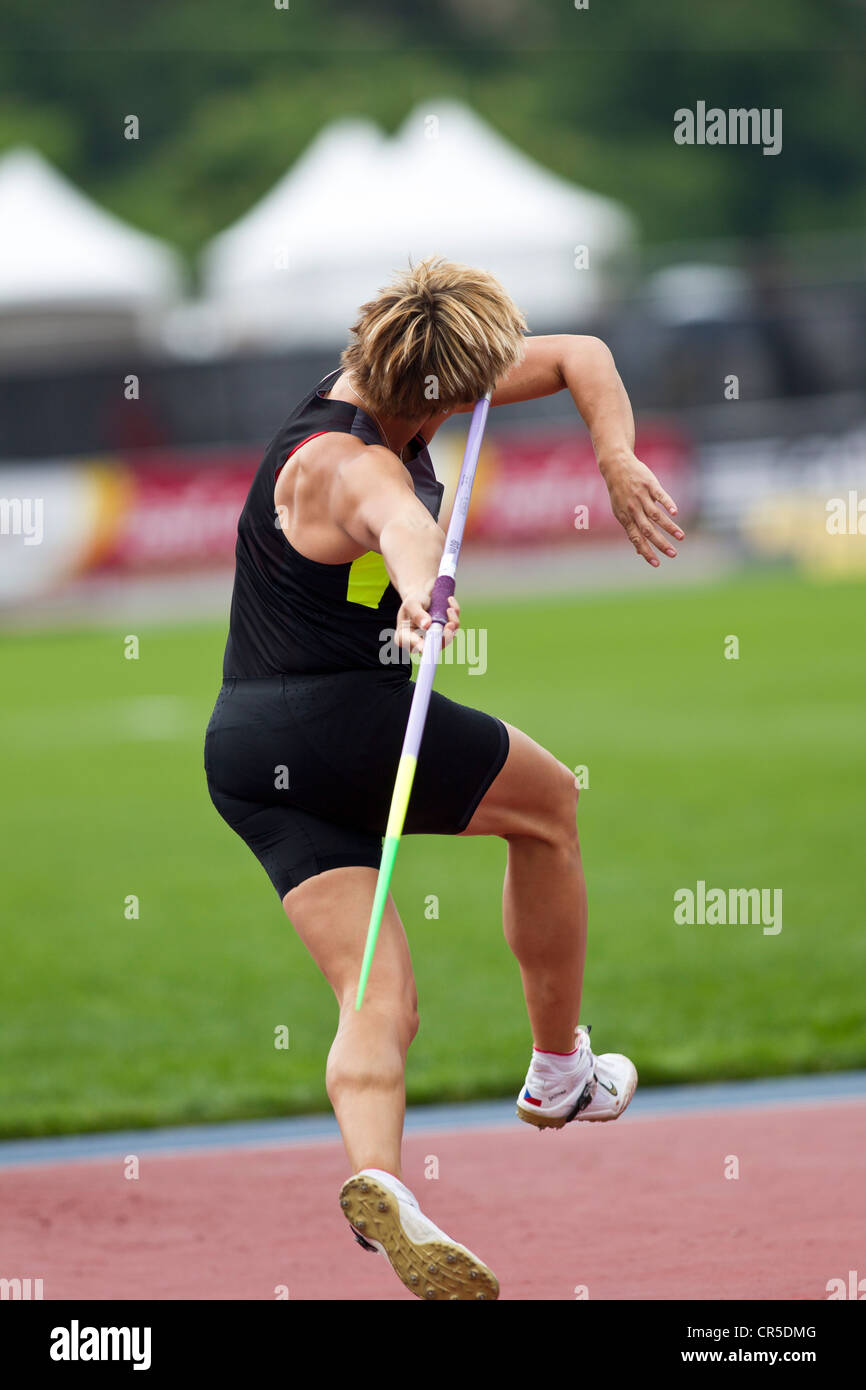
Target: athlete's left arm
(584, 366)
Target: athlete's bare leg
(366, 1064)
(532, 805)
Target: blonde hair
(440, 335)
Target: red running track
(640, 1209)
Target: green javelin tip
(393, 831)
(383, 883)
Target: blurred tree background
(228, 96)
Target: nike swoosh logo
(610, 1089)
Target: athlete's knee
(407, 1017)
(393, 1013)
(559, 822)
(354, 1073)
(536, 799)
(372, 1059)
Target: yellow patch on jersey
(368, 580)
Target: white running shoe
(385, 1217)
(577, 1087)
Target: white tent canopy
(57, 247)
(279, 233)
(74, 279)
(357, 206)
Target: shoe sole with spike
(438, 1269)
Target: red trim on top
(297, 446)
(555, 1054)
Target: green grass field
(744, 773)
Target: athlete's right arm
(373, 502)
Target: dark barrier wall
(818, 351)
(68, 412)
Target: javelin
(442, 591)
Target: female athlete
(337, 551)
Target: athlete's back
(292, 614)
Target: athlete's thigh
(533, 791)
(331, 912)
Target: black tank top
(292, 615)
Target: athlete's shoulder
(360, 465)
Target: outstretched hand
(642, 507)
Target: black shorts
(303, 767)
